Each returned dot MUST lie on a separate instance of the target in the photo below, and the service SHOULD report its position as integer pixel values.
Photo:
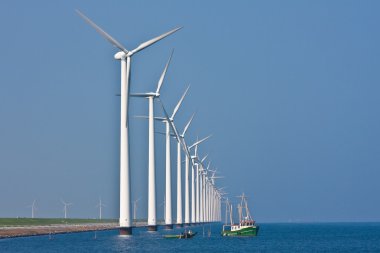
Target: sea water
(285, 237)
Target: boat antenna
(231, 214)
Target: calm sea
(319, 237)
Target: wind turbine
(187, 161)
(212, 194)
(213, 177)
(169, 124)
(65, 207)
(163, 204)
(152, 216)
(34, 208)
(197, 164)
(135, 208)
(100, 205)
(124, 56)
(168, 198)
(179, 161)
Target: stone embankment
(18, 231)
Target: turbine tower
(124, 56)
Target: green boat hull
(250, 231)
(180, 236)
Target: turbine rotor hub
(120, 55)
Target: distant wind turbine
(34, 208)
(163, 204)
(65, 205)
(135, 208)
(198, 188)
(100, 205)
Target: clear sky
(289, 90)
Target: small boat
(246, 226)
(185, 235)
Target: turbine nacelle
(120, 55)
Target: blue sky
(289, 90)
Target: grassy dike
(11, 222)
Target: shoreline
(26, 231)
(8, 232)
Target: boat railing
(247, 222)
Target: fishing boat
(185, 235)
(246, 225)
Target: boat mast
(240, 210)
(247, 210)
(231, 214)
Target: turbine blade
(163, 74)
(152, 41)
(195, 150)
(188, 124)
(141, 94)
(204, 158)
(208, 165)
(179, 102)
(160, 118)
(172, 126)
(200, 141)
(103, 33)
(140, 117)
(170, 122)
(147, 117)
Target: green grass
(48, 221)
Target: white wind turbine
(197, 164)
(168, 199)
(152, 216)
(180, 144)
(213, 177)
(135, 208)
(187, 163)
(163, 204)
(168, 193)
(124, 56)
(65, 209)
(227, 202)
(212, 194)
(100, 205)
(34, 208)
(189, 159)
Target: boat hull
(180, 236)
(249, 231)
